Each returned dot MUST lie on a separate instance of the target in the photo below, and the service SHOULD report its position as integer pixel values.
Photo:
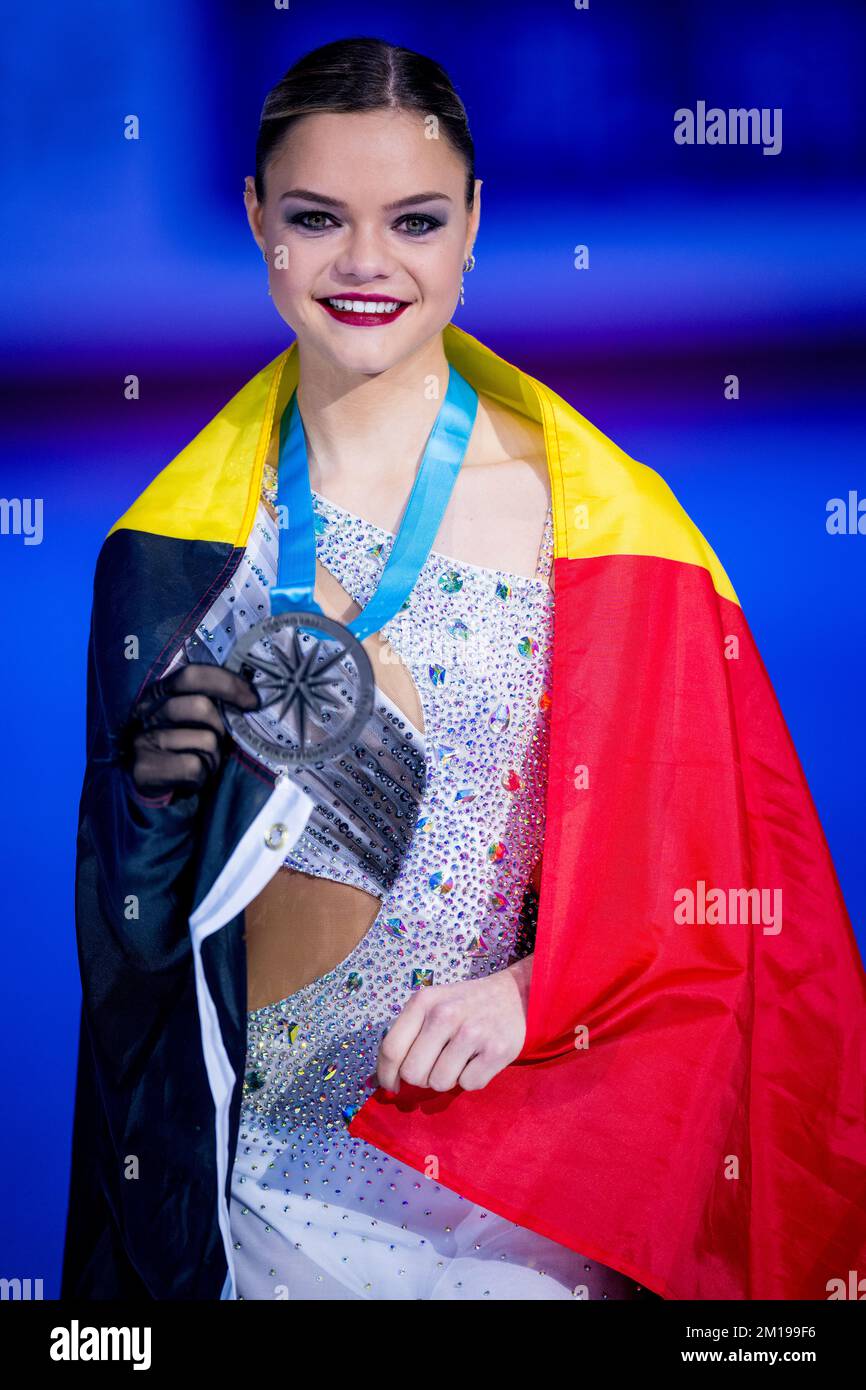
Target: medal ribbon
(296, 567)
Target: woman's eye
(301, 219)
(415, 224)
(421, 223)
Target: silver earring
(265, 254)
(468, 264)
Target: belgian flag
(689, 1104)
(688, 1107)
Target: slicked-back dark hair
(363, 74)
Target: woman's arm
(462, 1033)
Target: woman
(395, 1114)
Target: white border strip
(248, 869)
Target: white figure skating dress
(444, 826)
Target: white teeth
(364, 306)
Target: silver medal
(315, 686)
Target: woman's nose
(364, 255)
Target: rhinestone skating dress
(445, 826)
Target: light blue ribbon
(296, 569)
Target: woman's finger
(442, 1019)
(454, 1061)
(201, 678)
(189, 711)
(480, 1068)
(159, 755)
(196, 680)
(397, 1041)
(205, 742)
(154, 772)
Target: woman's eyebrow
(416, 198)
(309, 196)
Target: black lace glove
(175, 739)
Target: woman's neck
(369, 429)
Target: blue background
(135, 257)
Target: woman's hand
(462, 1033)
(176, 732)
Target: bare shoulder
(503, 491)
(509, 449)
(505, 436)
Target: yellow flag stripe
(604, 502)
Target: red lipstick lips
(362, 318)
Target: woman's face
(364, 205)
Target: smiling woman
(385, 991)
(397, 219)
(368, 211)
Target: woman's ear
(254, 211)
(474, 218)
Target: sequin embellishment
(453, 908)
(311, 1204)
